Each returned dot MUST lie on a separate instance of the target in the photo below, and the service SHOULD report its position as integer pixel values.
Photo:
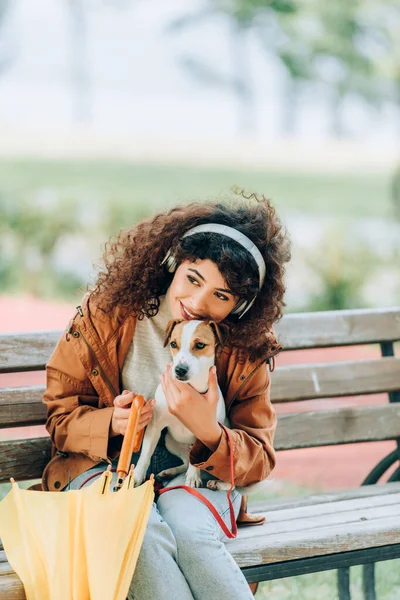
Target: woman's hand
(198, 412)
(122, 404)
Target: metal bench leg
(343, 580)
(369, 581)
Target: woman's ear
(220, 331)
(170, 327)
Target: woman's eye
(200, 346)
(192, 280)
(219, 296)
(173, 345)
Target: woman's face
(199, 288)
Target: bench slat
(279, 504)
(11, 587)
(26, 351)
(31, 351)
(339, 426)
(347, 378)
(339, 328)
(5, 566)
(318, 515)
(24, 459)
(325, 540)
(22, 406)
(337, 519)
(340, 525)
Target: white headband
(239, 237)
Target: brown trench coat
(84, 376)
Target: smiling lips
(186, 314)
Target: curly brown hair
(133, 278)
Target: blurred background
(113, 110)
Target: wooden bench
(319, 532)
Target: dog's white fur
(179, 439)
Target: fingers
(174, 391)
(147, 410)
(169, 382)
(121, 416)
(212, 375)
(146, 414)
(125, 399)
(213, 392)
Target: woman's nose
(200, 303)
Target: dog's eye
(173, 345)
(200, 346)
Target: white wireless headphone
(243, 305)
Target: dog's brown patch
(170, 328)
(174, 334)
(203, 334)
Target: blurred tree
(6, 51)
(240, 16)
(351, 49)
(396, 192)
(80, 77)
(347, 44)
(338, 46)
(30, 228)
(322, 43)
(78, 18)
(343, 268)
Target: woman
(157, 271)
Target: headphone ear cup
(242, 308)
(239, 308)
(170, 261)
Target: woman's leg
(157, 575)
(208, 567)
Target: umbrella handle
(132, 439)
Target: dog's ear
(170, 327)
(220, 331)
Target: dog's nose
(181, 370)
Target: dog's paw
(167, 473)
(193, 480)
(217, 484)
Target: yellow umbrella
(79, 544)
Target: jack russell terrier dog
(192, 345)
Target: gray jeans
(183, 556)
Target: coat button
(57, 485)
(242, 377)
(210, 468)
(76, 334)
(95, 372)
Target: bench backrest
(20, 407)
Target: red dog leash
(228, 533)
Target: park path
(335, 467)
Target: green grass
(159, 186)
(322, 586)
